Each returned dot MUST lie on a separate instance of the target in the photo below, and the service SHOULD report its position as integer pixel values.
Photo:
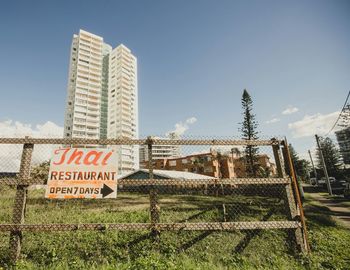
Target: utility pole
(324, 166)
(313, 166)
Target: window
(208, 169)
(172, 162)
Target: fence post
(291, 204)
(278, 160)
(301, 233)
(153, 196)
(19, 207)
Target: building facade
(159, 152)
(214, 164)
(123, 105)
(83, 107)
(265, 167)
(209, 164)
(343, 138)
(102, 95)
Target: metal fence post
(153, 196)
(19, 207)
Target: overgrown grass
(175, 250)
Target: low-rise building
(265, 167)
(213, 164)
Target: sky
(194, 60)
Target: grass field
(175, 250)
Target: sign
(82, 173)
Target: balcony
(82, 64)
(94, 104)
(81, 91)
(93, 114)
(80, 109)
(79, 120)
(92, 136)
(95, 85)
(78, 128)
(82, 82)
(92, 124)
(96, 92)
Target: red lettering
(65, 150)
(95, 160)
(77, 155)
(104, 161)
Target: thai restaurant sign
(82, 173)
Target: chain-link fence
(185, 191)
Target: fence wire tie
(103, 227)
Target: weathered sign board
(82, 173)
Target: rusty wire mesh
(204, 190)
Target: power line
(346, 101)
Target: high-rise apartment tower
(102, 99)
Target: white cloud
(17, 129)
(191, 120)
(313, 124)
(274, 120)
(181, 127)
(10, 155)
(290, 110)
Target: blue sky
(194, 60)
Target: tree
(301, 166)
(41, 171)
(331, 157)
(249, 132)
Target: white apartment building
(102, 95)
(123, 105)
(82, 118)
(160, 151)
